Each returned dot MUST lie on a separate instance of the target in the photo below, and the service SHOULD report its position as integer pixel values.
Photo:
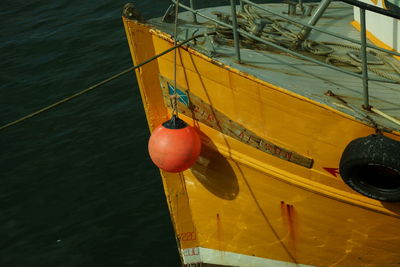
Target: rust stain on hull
(289, 218)
(220, 234)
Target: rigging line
(175, 97)
(64, 100)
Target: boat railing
(304, 33)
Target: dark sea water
(77, 187)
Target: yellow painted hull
(238, 199)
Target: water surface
(76, 186)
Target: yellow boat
(298, 109)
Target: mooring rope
(97, 85)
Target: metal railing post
(364, 59)
(235, 32)
(194, 14)
(303, 35)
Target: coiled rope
(281, 32)
(97, 85)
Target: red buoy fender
(174, 146)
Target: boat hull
(239, 204)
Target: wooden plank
(193, 106)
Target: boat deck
(321, 84)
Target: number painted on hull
(188, 236)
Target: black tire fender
(371, 166)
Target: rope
(84, 91)
(175, 96)
(285, 33)
(386, 116)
